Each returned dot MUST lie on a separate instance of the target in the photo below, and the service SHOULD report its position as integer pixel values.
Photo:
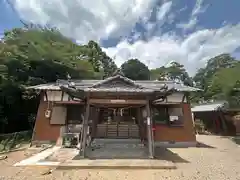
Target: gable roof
(127, 85)
(116, 77)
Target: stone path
(36, 158)
(129, 154)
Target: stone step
(115, 164)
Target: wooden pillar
(140, 124)
(85, 129)
(150, 132)
(222, 120)
(95, 122)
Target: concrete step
(107, 164)
(117, 164)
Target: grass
(14, 140)
(236, 140)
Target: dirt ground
(217, 158)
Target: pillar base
(151, 157)
(59, 141)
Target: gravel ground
(218, 159)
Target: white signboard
(117, 101)
(148, 120)
(173, 118)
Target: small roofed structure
(155, 112)
(215, 106)
(212, 115)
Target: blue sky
(8, 19)
(155, 31)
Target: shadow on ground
(162, 153)
(202, 145)
(115, 153)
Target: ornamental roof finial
(118, 72)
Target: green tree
(37, 55)
(218, 78)
(100, 61)
(234, 95)
(135, 70)
(175, 72)
(222, 83)
(204, 75)
(159, 73)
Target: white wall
(55, 96)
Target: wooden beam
(166, 103)
(69, 102)
(116, 101)
(149, 131)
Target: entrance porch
(116, 128)
(116, 108)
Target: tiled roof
(92, 85)
(169, 84)
(123, 78)
(49, 86)
(119, 89)
(210, 107)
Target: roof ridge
(124, 78)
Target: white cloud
(192, 51)
(87, 20)
(163, 10)
(162, 16)
(198, 9)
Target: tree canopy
(36, 55)
(135, 70)
(218, 78)
(41, 55)
(174, 72)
